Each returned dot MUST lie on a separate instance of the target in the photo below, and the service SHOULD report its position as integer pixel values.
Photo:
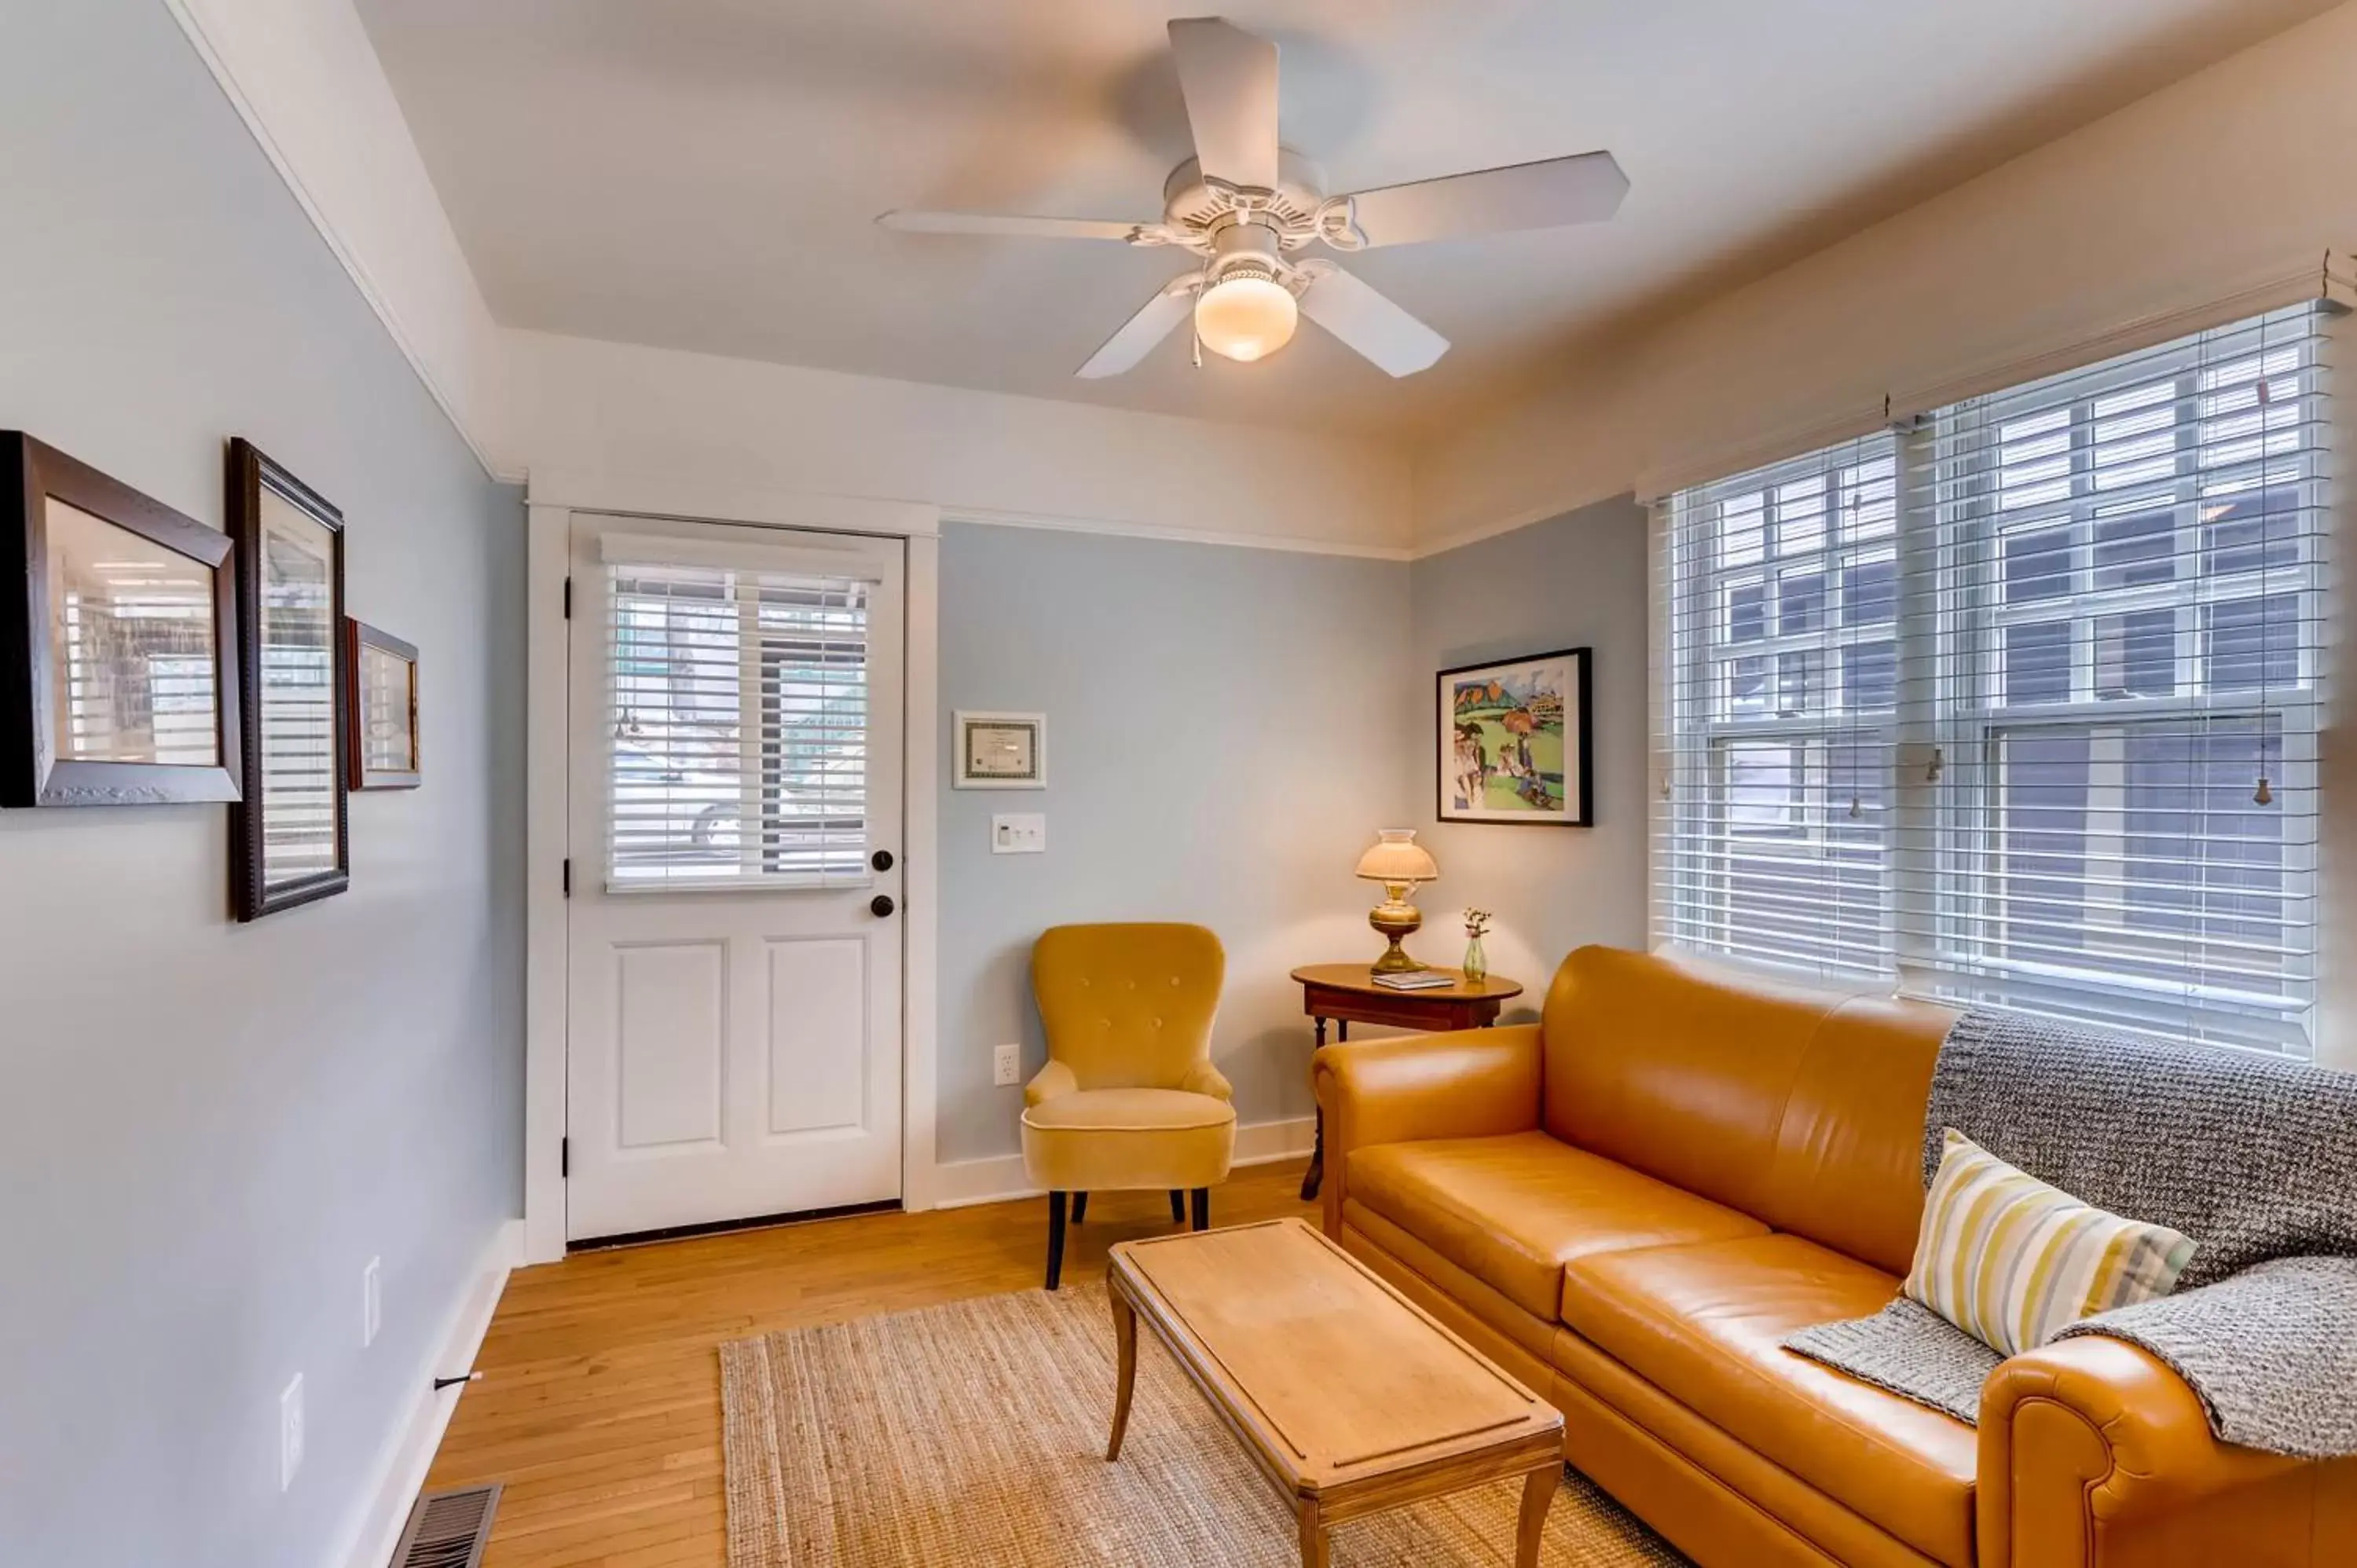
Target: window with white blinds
(739, 728)
(1782, 671)
(2042, 731)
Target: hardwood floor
(600, 1401)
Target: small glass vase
(1476, 962)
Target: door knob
(881, 904)
(881, 860)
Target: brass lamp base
(1395, 917)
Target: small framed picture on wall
(383, 703)
(1511, 742)
(119, 650)
(1001, 751)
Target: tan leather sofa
(1629, 1203)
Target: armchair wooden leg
(1177, 1207)
(1055, 1239)
(1202, 1208)
(1079, 1206)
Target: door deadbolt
(881, 860)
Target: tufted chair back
(1129, 1006)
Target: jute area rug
(974, 1433)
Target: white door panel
(737, 736)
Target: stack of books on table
(1416, 980)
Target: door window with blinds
(738, 739)
(2040, 732)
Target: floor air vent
(448, 1529)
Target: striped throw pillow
(2012, 1262)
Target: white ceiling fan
(1245, 205)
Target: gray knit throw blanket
(2257, 1160)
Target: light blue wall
(207, 1130)
(1574, 581)
(1226, 729)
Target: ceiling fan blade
(1370, 324)
(1228, 80)
(1585, 188)
(1007, 223)
(1141, 331)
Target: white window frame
(1943, 822)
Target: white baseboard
(1001, 1178)
(408, 1450)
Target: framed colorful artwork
(119, 653)
(1512, 742)
(288, 840)
(1001, 751)
(382, 701)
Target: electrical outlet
(1006, 1066)
(372, 1302)
(290, 1433)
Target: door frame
(550, 501)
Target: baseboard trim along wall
(408, 1450)
(1000, 1178)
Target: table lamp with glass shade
(1399, 862)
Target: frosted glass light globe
(1246, 317)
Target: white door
(735, 944)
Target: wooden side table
(1347, 994)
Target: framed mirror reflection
(118, 655)
(288, 840)
(383, 709)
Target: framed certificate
(1001, 751)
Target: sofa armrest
(1473, 1083)
(2094, 1455)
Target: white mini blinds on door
(2046, 739)
(740, 715)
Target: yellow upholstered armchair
(1129, 1098)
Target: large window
(2018, 704)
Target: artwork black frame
(1578, 813)
(360, 635)
(32, 772)
(249, 474)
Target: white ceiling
(703, 173)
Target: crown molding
(207, 28)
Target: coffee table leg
(1124, 1334)
(1538, 1492)
(1314, 1545)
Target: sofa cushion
(1512, 1211)
(1702, 1323)
(1788, 1101)
(1104, 1140)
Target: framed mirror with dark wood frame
(384, 707)
(119, 654)
(289, 843)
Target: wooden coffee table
(1349, 1397)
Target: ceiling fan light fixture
(1247, 315)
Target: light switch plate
(1018, 832)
